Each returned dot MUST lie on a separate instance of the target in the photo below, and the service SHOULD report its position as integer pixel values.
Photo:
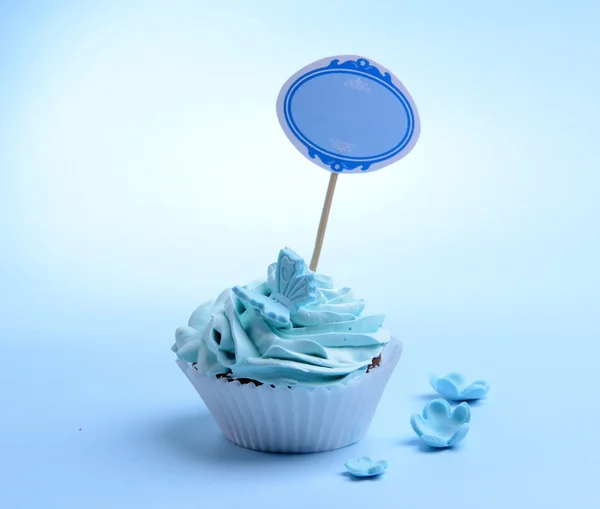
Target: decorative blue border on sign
(359, 67)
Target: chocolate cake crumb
(243, 381)
(374, 363)
(246, 381)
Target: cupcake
(290, 363)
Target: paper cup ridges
(296, 420)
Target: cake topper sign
(347, 114)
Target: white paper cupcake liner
(296, 420)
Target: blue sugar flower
(366, 467)
(440, 426)
(454, 387)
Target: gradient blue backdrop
(142, 170)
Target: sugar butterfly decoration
(293, 285)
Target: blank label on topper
(348, 114)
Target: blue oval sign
(348, 114)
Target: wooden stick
(323, 223)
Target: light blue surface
(366, 467)
(455, 387)
(481, 248)
(440, 425)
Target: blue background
(142, 170)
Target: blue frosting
(294, 328)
